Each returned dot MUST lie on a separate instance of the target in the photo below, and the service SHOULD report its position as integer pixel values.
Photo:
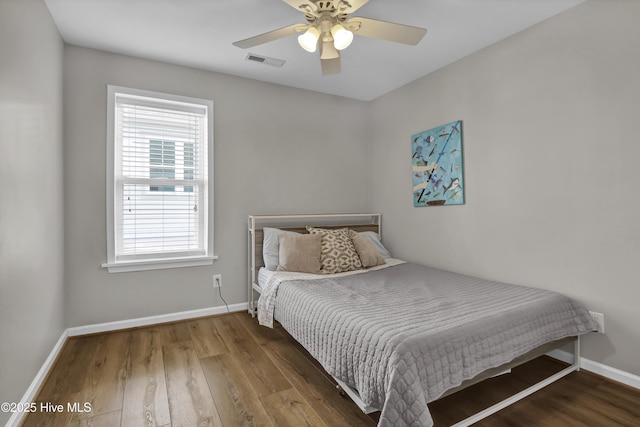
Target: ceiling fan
(330, 28)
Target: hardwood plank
(527, 413)
(104, 380)
(68, 372)
(109, 419)
(318, 389)
(588, 410)
(261, 334)
(174, 332)
(567, 402)
(145, 393)
(288, 408)
(289, 339)
(236, 400)
(318, 383)
(620, 397)
(581, 404)
(265, 377)
(206, 338)
(190, 400)
(44, 418)
(448, 410)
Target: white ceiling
(199, 33)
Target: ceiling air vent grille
(265, 60)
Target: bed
(396, 335)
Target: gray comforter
(404, 335)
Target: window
(162, 153)
(159, 180)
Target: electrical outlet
(217, 280)
(599, 318)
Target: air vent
(265, 60)
(256, 58)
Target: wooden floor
(228, 371)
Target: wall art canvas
(436, 165)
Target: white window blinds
(160, 177)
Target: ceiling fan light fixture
(309, 39)
(342, 37)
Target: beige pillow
(369, 255)
(338, 253)
(299, 252)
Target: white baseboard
(152, 320)
(599, 368)
(30, 394)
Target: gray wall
(277, 150)
(31, 210)
(550, 152)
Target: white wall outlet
(599, 318)
(217, 280)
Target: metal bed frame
(372, 222)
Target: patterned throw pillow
(338, 253)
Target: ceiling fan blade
(330, 66)
(343, 6)
(296, 4)
(384, 30)
(305, 6)
(271, 36)
(351, 6)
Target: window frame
(153, 263)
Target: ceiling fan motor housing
(337, 10)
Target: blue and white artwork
(436, 165)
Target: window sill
(157, 264)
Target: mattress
(405, 334)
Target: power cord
(220, 293)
